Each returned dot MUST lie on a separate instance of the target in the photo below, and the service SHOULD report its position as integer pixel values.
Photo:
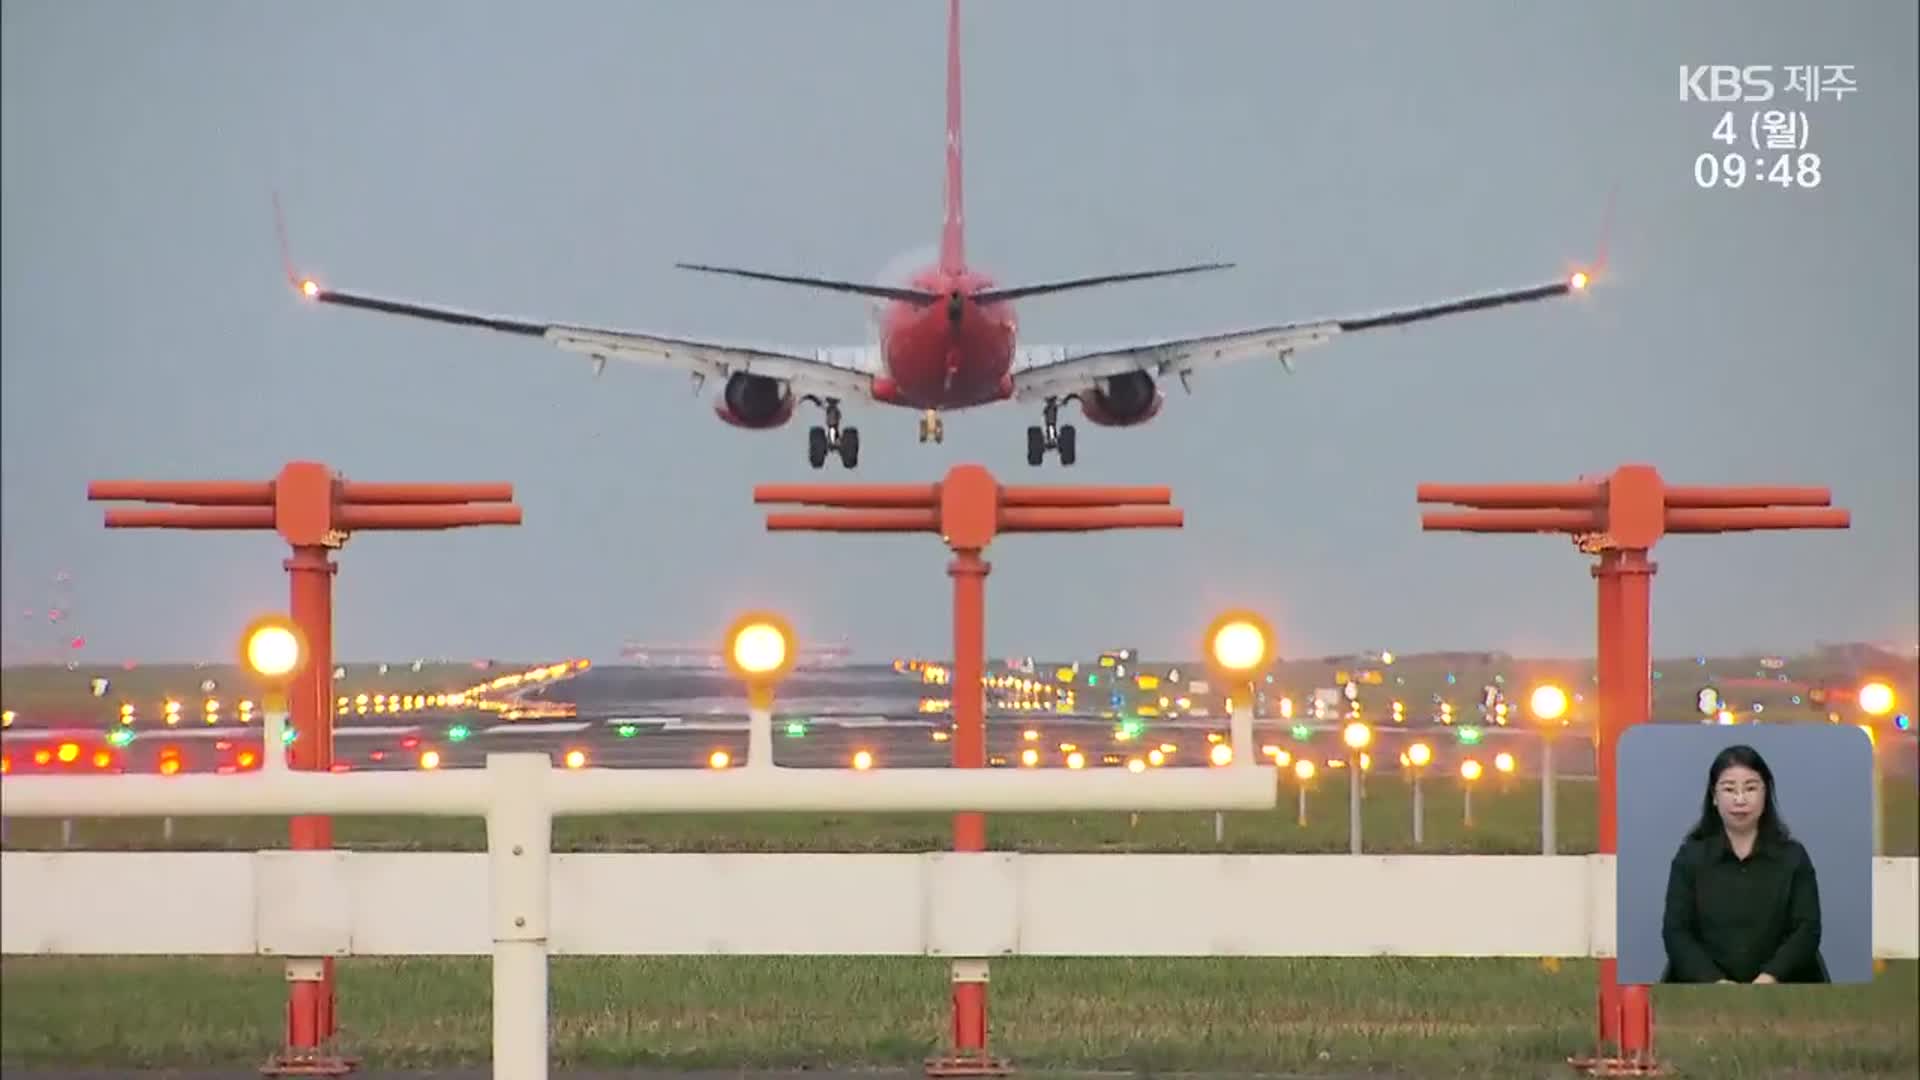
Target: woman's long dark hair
(1772, 828)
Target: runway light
(576, 758)
(759, 647)
(1470, 770)
(1503, 761)
(1357, 735)
(1548, 702)
(1419, 754)
(1136, 765)
(430, 759)
(719, 759)
(1239, 643)
(1029, 757)
(1876, 698)
(1156, 757)
(273, 648)
(1303, 769)
(1076, 760)
(68, 752)
(1221, 754)
(863, 760)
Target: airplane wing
(1060, 371)
(836, 372)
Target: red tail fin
(953, 248)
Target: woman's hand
(1764, 979)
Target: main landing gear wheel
(932, 427)
(832, 438)
(1050, 434)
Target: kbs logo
(1726, 82)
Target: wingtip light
(1579, 280)
(309, 288)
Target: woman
(1742, 902)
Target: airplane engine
(1123, 400)
(755, 401)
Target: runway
(633, 717)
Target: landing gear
(832, 438)
(932, 427)
(1050, 434)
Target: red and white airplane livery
(946, 341)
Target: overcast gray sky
(555, 160)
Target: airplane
(945, 341)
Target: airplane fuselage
(954, 354)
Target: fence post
(519, 860)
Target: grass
(1470, 1017)
(1474, 1017)
(1506, 822)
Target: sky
(554, 161)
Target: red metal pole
(203, 517)
(1141, 495)
(190, 492)
(1607, 663)
(310, 990)
(1625, 662)
(1634, 572)
(854, 521)
(969, 573)
(1071, 519)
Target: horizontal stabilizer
(887, 292)
(1020, 291)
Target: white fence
(313, 904)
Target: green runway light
(289, 735)
(1469, 736)
(796, 729)
(119, 737)
(458, 733)
(627, 731)
(1302, 732)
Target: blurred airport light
(1876, 698)
(1548, 702)
(1239, 644)
(760, 648)
(272, 648)
(1357, 735)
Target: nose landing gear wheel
(932, 427)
